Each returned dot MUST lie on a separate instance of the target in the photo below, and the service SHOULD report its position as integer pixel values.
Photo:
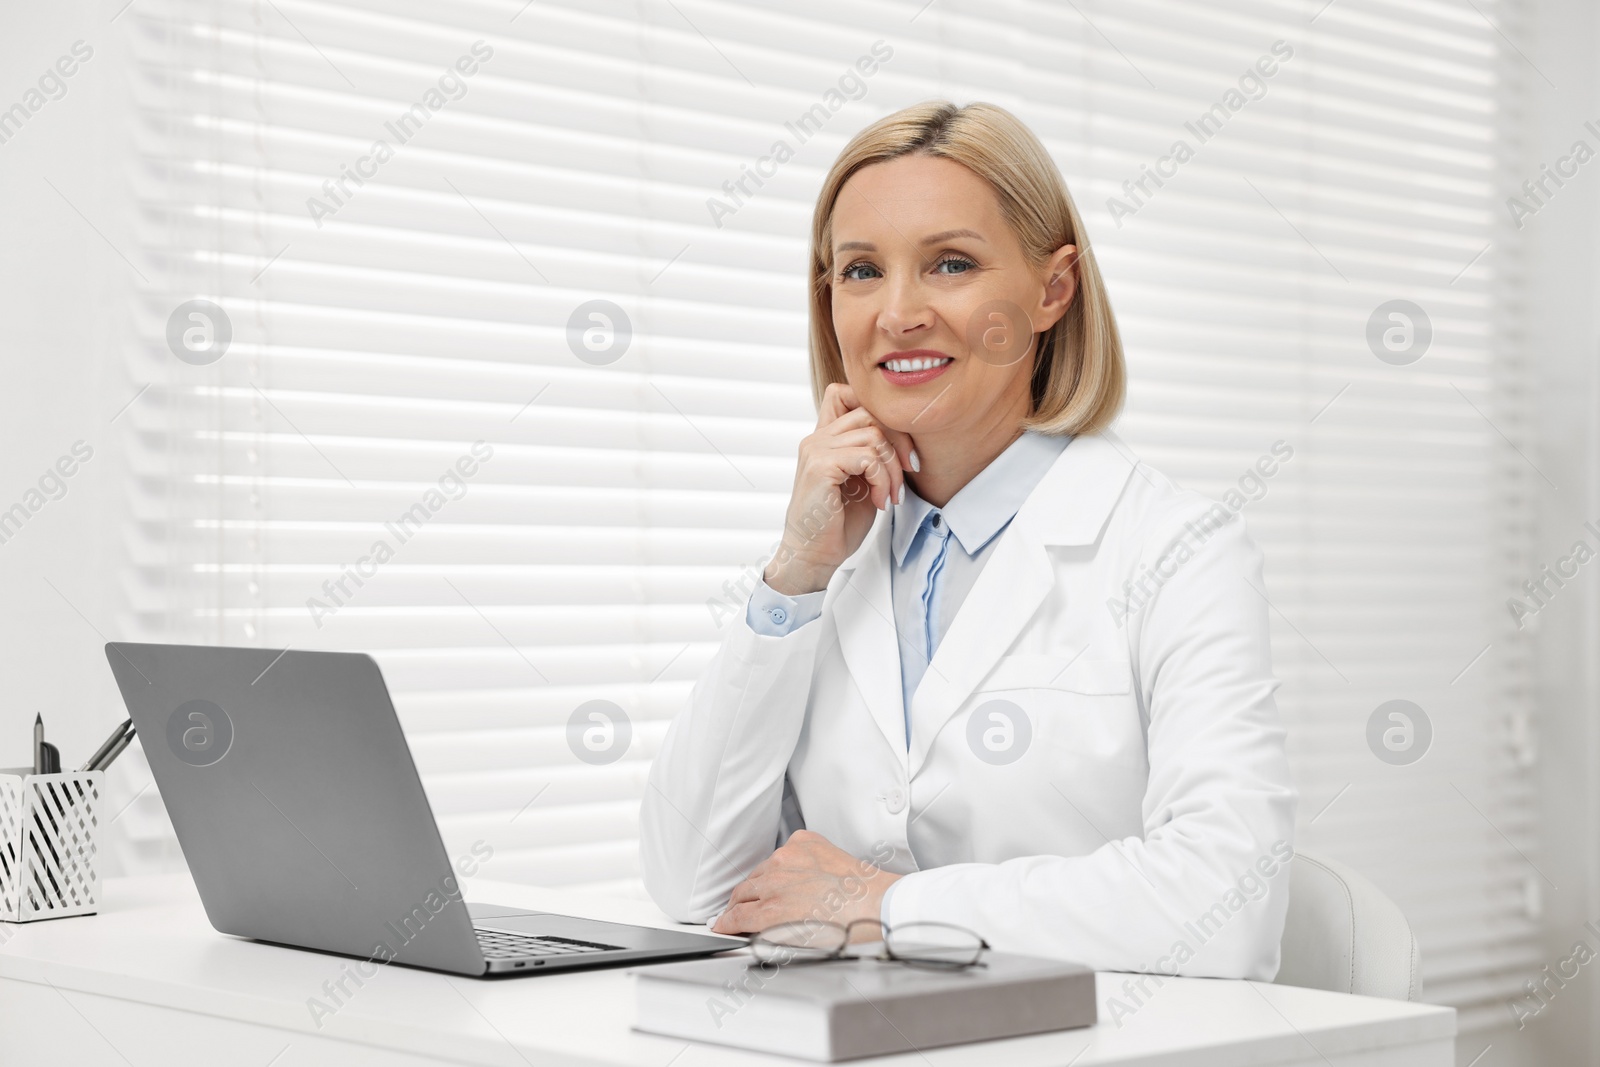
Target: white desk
(147, 982)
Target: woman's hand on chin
(807, 878)
(848, 469)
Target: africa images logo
(199, 733)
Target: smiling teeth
(904, 366)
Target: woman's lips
(916, 377)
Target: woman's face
(934, 303)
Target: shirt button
(779, 616)
(895, 801)
(936, 520)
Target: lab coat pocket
(1073, 711)
(1086, 673)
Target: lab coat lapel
(1069, 506)
(1009, 590)
(864, 614)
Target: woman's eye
(850, 273)
(962, 262)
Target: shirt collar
(984, 505)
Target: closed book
(848, 1008)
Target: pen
(38, 743)
(116, 750)
(107, 745)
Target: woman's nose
(905, 309)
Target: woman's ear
(1060, 286)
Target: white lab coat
(1147, 816)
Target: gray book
(845, 1009)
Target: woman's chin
(907, 411)
(909, 419)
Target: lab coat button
(896, 801)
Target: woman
(998, 674)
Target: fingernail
(902, 498)
(916, 461)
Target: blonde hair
(1078, 376)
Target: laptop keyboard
(499, 945)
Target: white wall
(1563, 346)
(64, 305)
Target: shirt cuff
(772, 614)
(883, 905)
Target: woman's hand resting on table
(808, 878)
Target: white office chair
(1343, 934)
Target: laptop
(299, 809)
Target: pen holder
(48, 829)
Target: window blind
(558, 244)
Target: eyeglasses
(937, 946)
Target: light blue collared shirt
(931, 577)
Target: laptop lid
(296, 800)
